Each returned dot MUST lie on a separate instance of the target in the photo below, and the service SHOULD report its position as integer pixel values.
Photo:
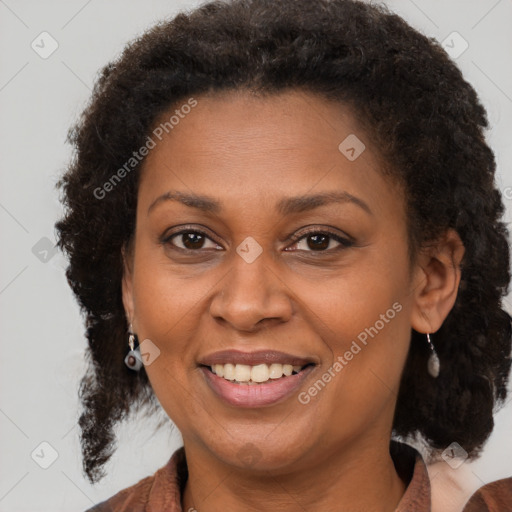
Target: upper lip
(254, 358)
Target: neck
(351, 478)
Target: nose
(252, 296)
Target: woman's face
(256, 232)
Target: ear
(127, 283)
(436, 282)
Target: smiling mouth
(244, 374)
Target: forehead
(241, 148)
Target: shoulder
(133, 498)
(160, 491)
(493, 497)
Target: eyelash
(166, 239)
(345, 243)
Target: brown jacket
(162, 491)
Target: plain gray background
(41, 328)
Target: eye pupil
(192, 240)
(319, 241)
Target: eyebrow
(285, 206)
(303, 203)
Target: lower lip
(257, 395)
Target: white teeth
(229, 371)
(276, 371)
(242, 373)
(287, 369)
(260, 373)
(254, 374)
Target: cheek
(370, 331)
(167, 310)
(369, 294)
(363, 318)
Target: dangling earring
(133, 359)
(433, 364)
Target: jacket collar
(170, 481)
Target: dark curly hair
(423, 117)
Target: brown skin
(248, 153)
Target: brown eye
(321, 241)
(191, 241)
(318, 242)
